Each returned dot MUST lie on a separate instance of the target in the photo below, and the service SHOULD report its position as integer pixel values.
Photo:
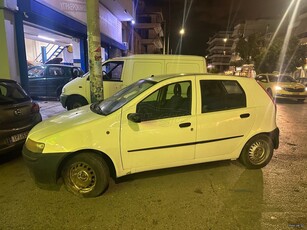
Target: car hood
(291, 85)
(63, 122)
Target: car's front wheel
(86, 175)
(257, 152)
(75, 101)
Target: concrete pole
(94, 50)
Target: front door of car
(166, 134)
(224, 119)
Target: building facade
(220, 50)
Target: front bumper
(290, 96)
(44, 168)
(63, 100)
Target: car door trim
(184, 144)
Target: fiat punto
(155, 123)
(282, 87)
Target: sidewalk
(50, 108)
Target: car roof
(7, 80)
(59, 65)
(159, 78)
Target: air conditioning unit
(9, 4)
(126, 44)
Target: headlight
(35, 147)
(305, 88)
(278, 88)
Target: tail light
(35, 108)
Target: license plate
(19, 136)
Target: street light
(181, 31)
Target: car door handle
(245, 115)
(184, 125)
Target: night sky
(206, 17)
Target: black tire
(300, 100)
(75, 101)
(257, 152)
(270, 92)
(86, 175)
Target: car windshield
(11, 93)
(285, 78)
(122, 97)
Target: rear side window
(56, 71)
(217, 95)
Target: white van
(122, 71)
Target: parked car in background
(159, 122)
(303, 81)
(18, 114)
(47, 81)
(282, 86)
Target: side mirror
(134, 117)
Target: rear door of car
(37, 84)
(223, 118)
(57, 77)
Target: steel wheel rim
(82, 177)
(258, 152)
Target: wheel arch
(104, 156)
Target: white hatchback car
(159, 122)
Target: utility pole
(94, 49)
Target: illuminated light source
(181, 31)
(132, 22)
(46, 38)
(278, 87)
(225, 39)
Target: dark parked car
(18, 114)
(47, 81)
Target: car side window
(56, 71)
(217, 95)
(262, 78)
(172, 100)
(112, 71)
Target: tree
(249, 47)
(254, 49)
(269, 58)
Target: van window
(112, 71)
(172, 100)
(217, 95)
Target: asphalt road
(220, 195)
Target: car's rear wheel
(300, 100)
(74, 102)
(86, 175)
(257, 152)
